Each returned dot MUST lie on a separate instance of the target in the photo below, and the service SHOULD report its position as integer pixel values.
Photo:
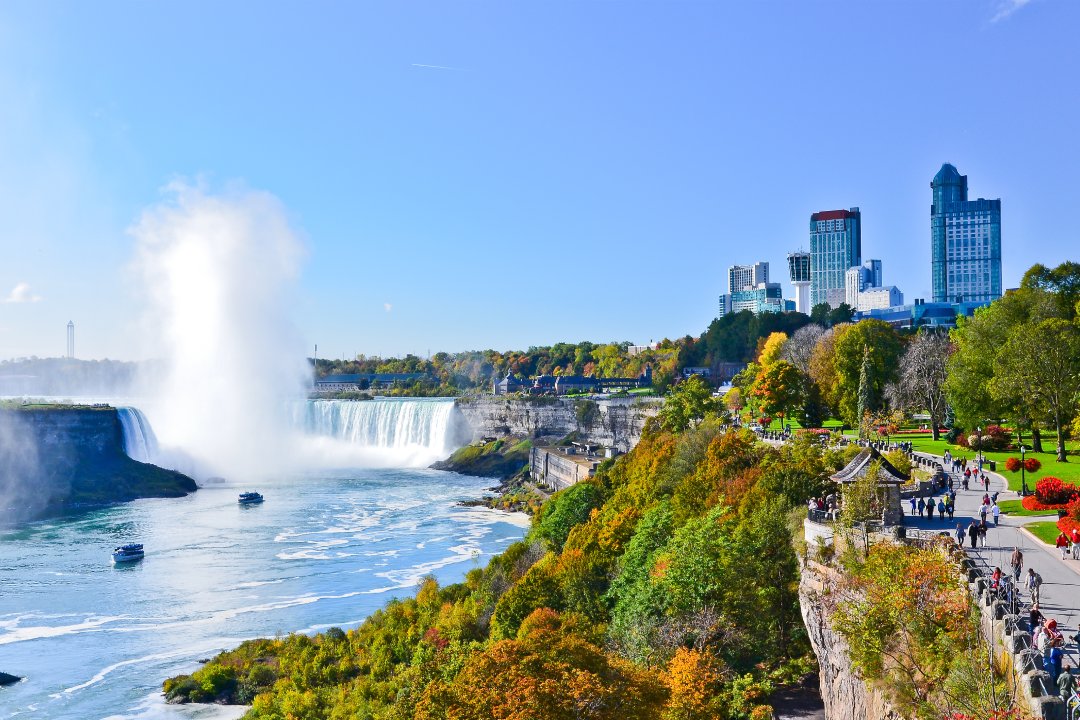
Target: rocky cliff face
(845, 695)
(616, 422)
(54, 458)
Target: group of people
(976, 532)
(1069, 542)
(1050, 644)
(946, 504)
(828, 505)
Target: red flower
(1013, 464)
(1032, 464)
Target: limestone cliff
(55, 458)
(614, 422)
(845, 695)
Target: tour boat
(128, 553)
(250, 498)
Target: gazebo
(889, 480)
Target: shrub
(1052, 491)
(1032, 464)
(1012, 464)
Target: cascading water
(140, 443)
(410, 431)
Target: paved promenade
(1060, 598)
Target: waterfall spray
(218, 273)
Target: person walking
(1017, 562)
(1062, 544)
(1066, 683)
(982, 511)
(941, 508)
(960, 534)
(922, 507)
(1034, 583)
(1075, 537)
(930, 509)
(986, 482)
(913, 505)
(996, 512)
(973, 533)
(983, 527)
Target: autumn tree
(800, 346)
(779, 389)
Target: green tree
(878, 341)
(1041, 362)
(868, 402)
(687, 403)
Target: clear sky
(504, 174)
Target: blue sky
(505, 174)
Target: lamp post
(978, 452)
(1023, 477)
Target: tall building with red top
(835, 246)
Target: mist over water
(218, 274)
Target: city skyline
(474, 176)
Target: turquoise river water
(94, 640)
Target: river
(326, 548)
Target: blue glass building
(965, 240)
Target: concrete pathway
(1060, 598)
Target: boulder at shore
(6, 679)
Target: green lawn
(1013, 507)
(1069, 471)
(1045, 531)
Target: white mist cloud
(387, 307)
(218, 272)
(1007, 8)
(21, 294)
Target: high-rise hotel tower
(835, 246)
(965, 241)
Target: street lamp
(978, 452)
(1023, 478)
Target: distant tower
(71, 340)
(799, 270)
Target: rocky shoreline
(506, 459)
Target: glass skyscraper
(835, 246)
(965, 240)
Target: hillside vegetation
(666, 587)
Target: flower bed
(1031, 502)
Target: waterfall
(387, 424)
(140, 443)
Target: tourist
(941, 508)
(973, 533)
(1062, 544)
(922, 507)
(1034, 582)
(1017, 562)
(960, 534)
(951, 505)
(1066, 683)
(982, 512)
(1075, 537)
(1035, 620)
(913, 505)
(995, 579)
(930, 509)
(965, 483)
(983, 527)
(986, 482)
(996, 512)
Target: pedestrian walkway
(1059, 598)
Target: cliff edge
(56, 458)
